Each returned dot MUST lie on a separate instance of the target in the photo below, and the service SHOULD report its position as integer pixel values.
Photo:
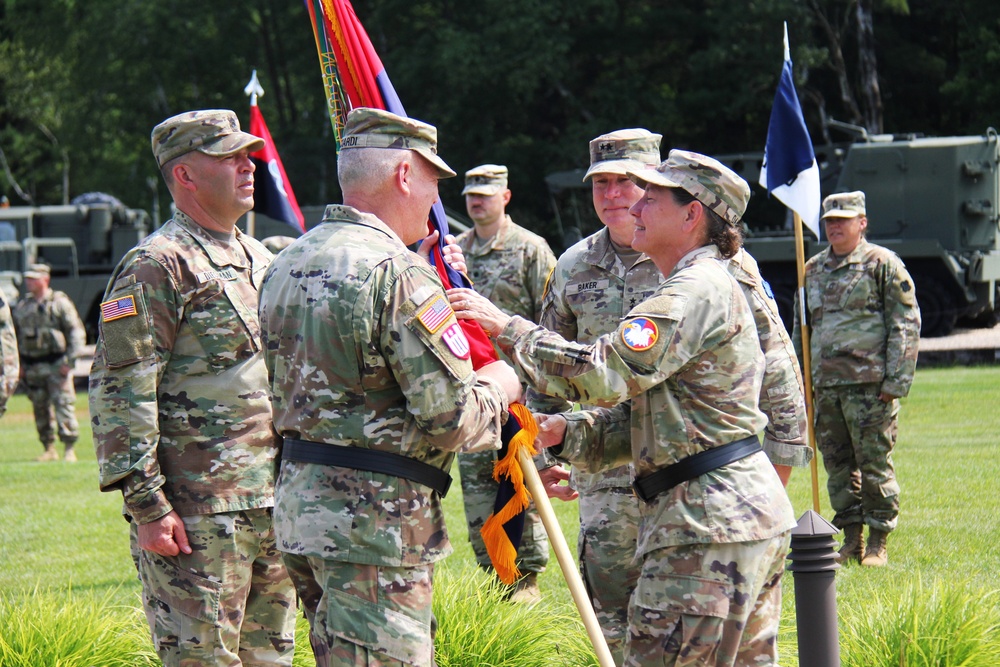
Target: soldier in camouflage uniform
(595, 284)
(181, 413)
(373, 392)
(9, 363)
(711, 543)
(863, 352)
(509, 265)
(50, 336)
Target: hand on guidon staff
(452, 253)
(470, 305)
(503, 373)
(552, 479)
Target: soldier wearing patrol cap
(9, 363)
(50, 336)
(373, 393)
(508, 265)
(865, 331)
(596, 283)
(714, 530)
(181, 413)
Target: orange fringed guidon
(502, 530)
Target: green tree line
(518, 82)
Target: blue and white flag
(790, 172)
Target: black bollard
(813, 567)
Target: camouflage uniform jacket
(864, 319)
(49, 327)
(9, 362)
(363, 350)
(511, 269)
(589, 293)
(690, 360)
(781, 395)
(178, 389)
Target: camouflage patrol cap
(214, 132)
(38, 271)
(367, 127)
(844, 205)
(487, 180)
(712, 183)
(616, 152)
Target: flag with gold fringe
(353, 76)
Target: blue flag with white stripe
(790, 172)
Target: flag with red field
(353, 76)
(273, 195)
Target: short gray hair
(367, 168)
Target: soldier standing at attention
(865, 331)
(373, 393)
(509, 265)
(9, 362)
(181, 413)
(715, 520)
(50, 336)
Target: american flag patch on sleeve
(118, 308)
(435, 314)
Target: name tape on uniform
(225, 274)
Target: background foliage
(518, 82)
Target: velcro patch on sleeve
(127, 338)
(118, 308)
(435, 314)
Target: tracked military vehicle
(933, 201)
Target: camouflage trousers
(479, 490)
(54, 399)
(230, 602)
(708, 604)
(856, 433)
(365, 615)
(609, 530)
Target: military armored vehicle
(933, 201)
(81, 243)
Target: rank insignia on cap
(640, 334)
(435, 314)
(118, 308)
(456, 341)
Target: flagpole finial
(788, 52)
(254, 90)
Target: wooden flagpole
(565, 558)
(800, 267)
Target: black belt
(650, 486)
(370, 460)
(44, 359)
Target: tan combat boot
(875, 552)
(526, 590)
(851, 548)
(70, 456)
(50, 454)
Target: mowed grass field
(65, 568)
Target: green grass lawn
(59, 534)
